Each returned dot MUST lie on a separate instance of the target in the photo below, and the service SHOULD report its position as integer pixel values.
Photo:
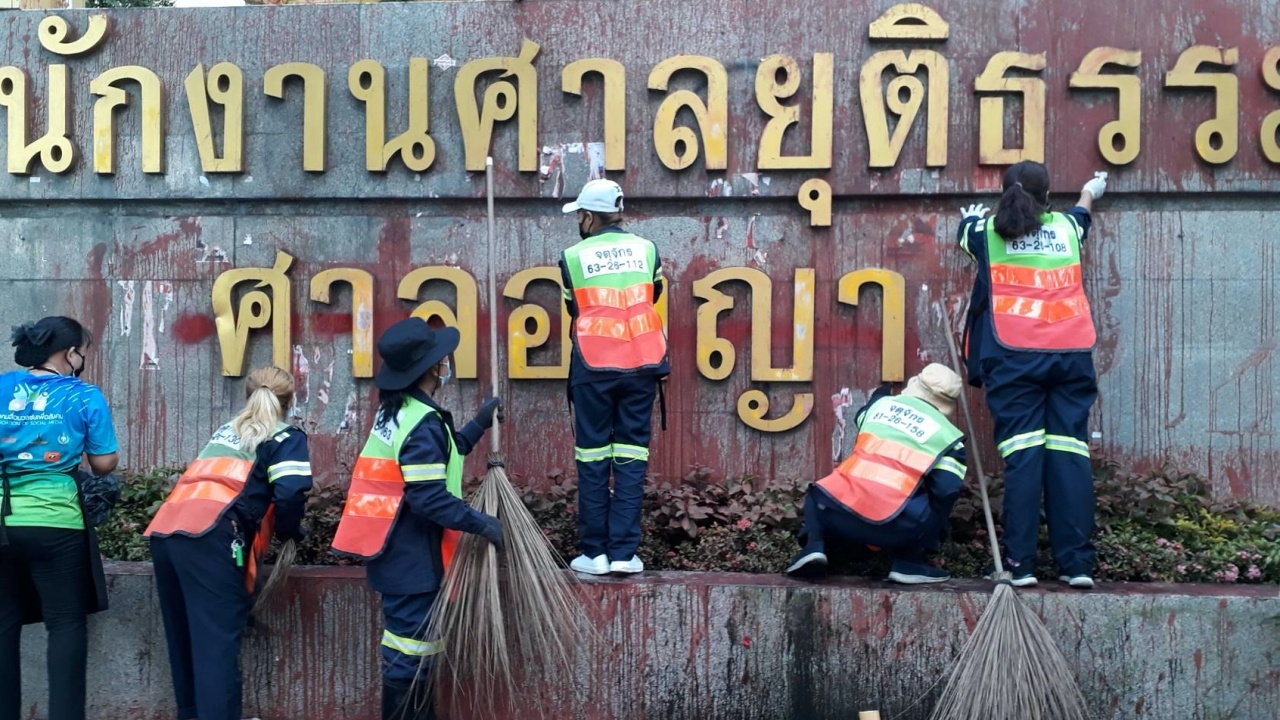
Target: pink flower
(1181, 569)
(1161, 542)
(743, 524)
(751, 546)
(1254, 573)
(1228, 574)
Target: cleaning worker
(612, 279)
(50, 568)
(404, 508)
(896, 490)
(250, 480)
(1029, 337)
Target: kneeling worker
(896, 490)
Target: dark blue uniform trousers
(612, 427)
(407, 655)
(1040, 403)
(205, 606)
(908, 537)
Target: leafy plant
(1162, 526)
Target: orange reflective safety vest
(618, 327)
(900, 439)
(1037, 289)
(377, 486)
(207, 489)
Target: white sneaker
(628, 567)
(598, 565)
(1080, 582)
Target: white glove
(1097, 186)
(973, 211)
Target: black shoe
(810, 563)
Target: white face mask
(447, 375)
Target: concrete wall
(711, 647)
(1181, 268)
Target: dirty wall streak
(1186, 359)
(1183, 286)
(704, 646)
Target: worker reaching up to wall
(1029, 338)
(612, 280)
(896, 489)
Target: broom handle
(973, 446)
(493, 301)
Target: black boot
(396, 704)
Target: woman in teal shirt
(49, 419)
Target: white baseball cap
(603, 196)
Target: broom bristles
(508, 623)
(279, 574)
(1010, 669)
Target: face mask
(447, 375)
(582, 228)
(76, 371)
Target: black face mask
(76, 371)
(582, 228)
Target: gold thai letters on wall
(111, 96)
(503, 100)
(993, 85)
(463, 318)
(1271, 123)
(678, 147)
(893, 321)
(529, 326)
(717, 357)
(770, 90)
(314, 91)
(224, 86)
(904, 94)
(367, 80)
(54, 148)
(1217, 139)
(614, 81)
(1120, 140)
(268, 304)
(361, 282)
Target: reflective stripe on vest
(206, 489)
(377, 487)
(1037, 289)
(899, 441)
(618, 327)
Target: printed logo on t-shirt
(25, 395)
(52, 457)
(25, 456)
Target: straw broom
(1010, 668)
(507, 623)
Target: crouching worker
(208, 537)
(896, 490)
(404, 509)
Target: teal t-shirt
(49, 422)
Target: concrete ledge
(699, 645)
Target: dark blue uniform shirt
(980, 338)
(281, 475)
(578, 370)
(411, 562)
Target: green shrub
(1160, 527)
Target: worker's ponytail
(270, 392)
(1026, 197)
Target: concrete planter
(695, 645)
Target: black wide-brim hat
(409, 349)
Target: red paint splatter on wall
(193, 328)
